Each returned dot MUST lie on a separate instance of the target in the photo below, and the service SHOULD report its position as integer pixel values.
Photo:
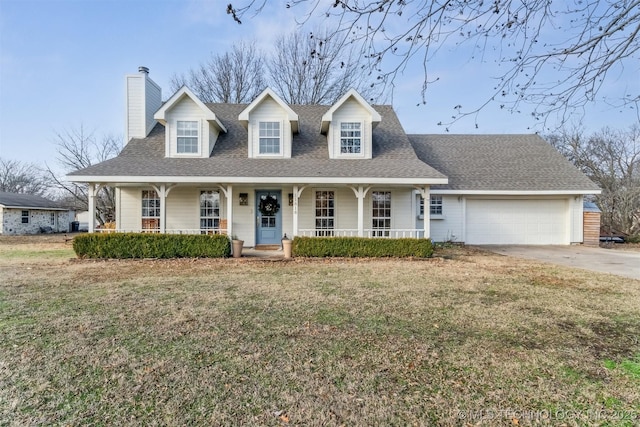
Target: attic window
(269, 137)
(187, 137)
(350, 138)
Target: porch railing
(308, 232)
(370, 232)
(167, 231)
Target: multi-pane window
(350, 137)
(52, 218)
(209, 210)
(150, 210)
(187, 137)
(435, 205)
(381, 214)
(25, 217)
(269, 134)
(325, 213)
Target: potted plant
(237, 245)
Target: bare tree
(23, 178)
(612, 160)
(79, 149)
(315, 69)
(554, 55)
(234, 77)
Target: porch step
(267, 247)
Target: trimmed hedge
(151, 245)
(361, 247)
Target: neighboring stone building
(27, 214)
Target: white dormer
(348, 125)
(270, 124)
(191, 128)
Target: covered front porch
(263, 213)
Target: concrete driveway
(621, 263)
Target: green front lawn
(467, 337)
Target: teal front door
(269, 218)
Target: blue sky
(63, 62)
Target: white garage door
(520, 222)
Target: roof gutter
(255, 180)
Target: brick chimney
(144, 98)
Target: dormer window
(350, 138)
(349, 125)
(270, 138)
(187, 137)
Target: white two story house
(266, 169)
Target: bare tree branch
(612, 160)
(233, 77)
(314, 69)
(556, 56)
(23, 178)
(78, 149)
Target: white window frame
(345, 138)
(209, 215)
(377, 230)
(150, 207)
(269, 136)
(188, 130)
(52, 219)
(24, 217)
(435, 205)
(324, 219)
(435, 201)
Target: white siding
(401, 212)
(187, 110)
(577, 218)
(269, 111)
(244, 217)
(135, 107)
(287, 212)
(143, 99)
(130, 208)
(183, 208)
(350, 111)
(345, 205)
(448, 226)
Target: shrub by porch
(361, 247)
(151, 245)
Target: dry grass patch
(316, 342)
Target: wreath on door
(268, 205)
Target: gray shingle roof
(14, 200)
(499, 163)
(393, 155)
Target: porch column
(92, 207)
(360, 193)
(162, 194)
(297, 191)
(424, 193)
(163, 208)
(228, 193)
